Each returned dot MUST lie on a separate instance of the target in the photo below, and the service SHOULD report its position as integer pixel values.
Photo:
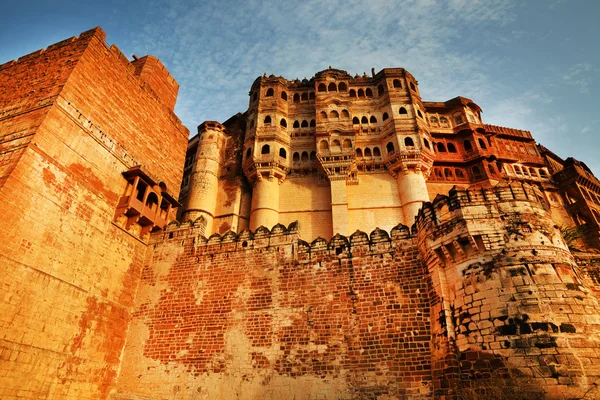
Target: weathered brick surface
(512, 303)
(69, 273)
(270, 316)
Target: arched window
(412, 86)
(408, 142)
(313, 155)
(323, 145)
(481, 143)
(467, 145)
(426, 143)
(397, 83)
(332, 87)
(369, 92)
(313, 123)
(296, 124)
(269, 92)
(376, 152)
(266, 149)
(336, 146)
(322, 87)
(358, 153)
(345, 114)
(304, 96)
(451, 148)
(385, 116)
(476, 172)
(419, 113)
(373, 120)
(518, 170)
(333, 114)
(282, 153)
(283, 123)
(268, 120)
(448, 173)
(364, 120)
(248, 153)
(355, 121)
(543, 173)
(323, 115)
(304, 156)
(390, 148)
(304, 124)
(342, 87)
(380, 90)
(458, 118)
(311, 95)
(296, 98)
(347, 144)
(438, 173)
(368, 152)
(433, 120)
(444, 121)
(361, 93)
(459, 173)
(352, 93)
(441, 148)
(296, 157)
(152, 200)
(284, 95)
(402, 111)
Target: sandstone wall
(68, 273)
(268, 316)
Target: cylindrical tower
(201, 200)
(267, 148)
(413, 193)
(265, 203)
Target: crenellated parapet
(358, 244)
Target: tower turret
(507, 297)
(266, 148)
(408, 154)
(201, 200)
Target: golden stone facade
(340, 239)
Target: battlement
(359, 243)
(444, 208)
(213, 126)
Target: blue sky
(531, 65)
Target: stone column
(413, 193)
(265, 203)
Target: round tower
(409, 155)
(267, 148)
(201, 201)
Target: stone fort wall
(73, 118)
(265, 315)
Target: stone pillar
(339, 207)
(413, 193)
(265, 203)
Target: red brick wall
(273, 317)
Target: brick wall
(267, 315)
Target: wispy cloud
(217, 49)
(580, 76)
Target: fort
(340, 239)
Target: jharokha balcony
(146, 206)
